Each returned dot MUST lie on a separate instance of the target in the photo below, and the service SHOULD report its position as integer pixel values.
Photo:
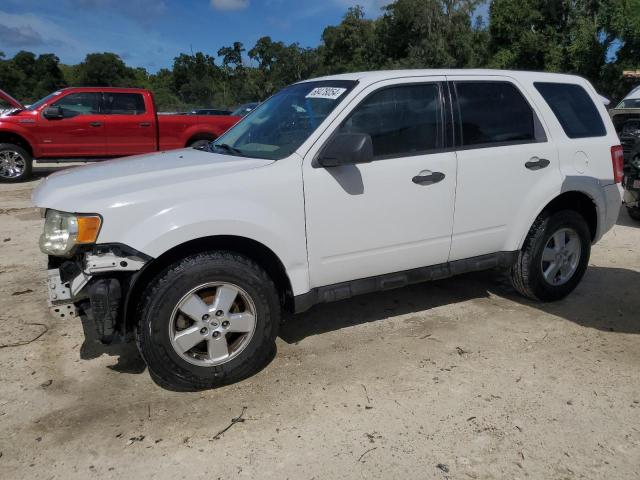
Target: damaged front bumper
(95, 282)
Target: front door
(394, 213)
(79, 133)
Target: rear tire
(199, 144)
(534, 273)
(15, 163)
(164, 327)
(634, 212)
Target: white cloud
(371, 7)
(229, 4)
(29, 30)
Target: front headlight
(63, 231)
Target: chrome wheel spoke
(188, 338)
(217, 348)
(548, 254)
(225, 296)
(573, 245)
(241, 322)
(194, 308)
(552, 272)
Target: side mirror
(346, 149)
(52, 113)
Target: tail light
(617, 159)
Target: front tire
(208, 320)
(15, 163)
(554, 257)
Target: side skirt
(341, 291)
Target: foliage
(597, 39)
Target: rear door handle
(145, 124)
(427, 177)
(537, 163)
(96, 124)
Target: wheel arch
(256, 251)
(200, 136)
(577, 200)
(7, 136)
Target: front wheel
(208, 320)
(15, 163)
(554, 257)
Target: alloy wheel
(12, 164)
(561, 256)
(212, 324)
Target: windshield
(629, 103)
(37, 104)
(277, 127)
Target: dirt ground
(457, 379)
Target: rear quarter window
(573, 108)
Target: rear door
(130, 123)
(507, 166)
(79, 133)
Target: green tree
(105, 70)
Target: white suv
(333, 187)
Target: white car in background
(331, 188)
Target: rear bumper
(610, 210)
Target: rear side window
(573, 108)
(495, 113)
(402, 121)
(123, 104)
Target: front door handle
(145, 124)
(96, 124)
(427, 177)
(537, 163)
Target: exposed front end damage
(94, 282)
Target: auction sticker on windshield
(330, 93)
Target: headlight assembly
(63, 231)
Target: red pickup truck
(92, 124)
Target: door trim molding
(388, 281)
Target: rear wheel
(208, 320)
(554, 257)
(200, 143)
(15, 163)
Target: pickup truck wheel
(15, 163)
(208, 320)
(554, 257)
(200, 143)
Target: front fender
(264, 204)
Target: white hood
(88, 188)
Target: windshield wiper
(229, 148)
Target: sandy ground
(459, 378)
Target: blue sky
(150, 33)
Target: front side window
(495, 113)
(123, 104)
(573, 108)
(278, 126)
(401, 121)
(75, 104)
